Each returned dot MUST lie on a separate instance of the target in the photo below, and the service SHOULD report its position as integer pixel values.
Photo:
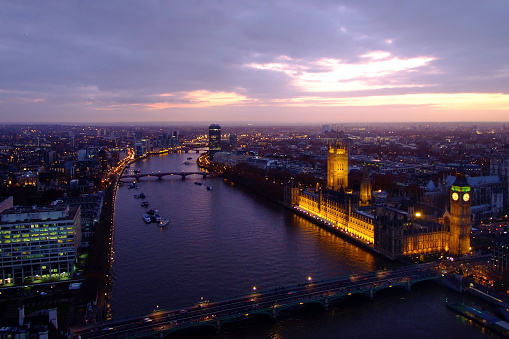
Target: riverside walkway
(271, 303)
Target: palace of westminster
(387, 230)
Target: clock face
(466, 197)
(455, 196)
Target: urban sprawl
(409, 192)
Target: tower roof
(461, 183)
(461, 180)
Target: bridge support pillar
(408, 285)
(218, 326)
(183, 177)
(371, 293)
(274, 313)
(326, 302)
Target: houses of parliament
(389, 231)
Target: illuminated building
(500, 254)
(459, 217)
(214, 139)
(388, 231)
(398, 233)
(337, 166)
(38, 243)
(27, 179)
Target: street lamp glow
(254, 288)
(309, 278)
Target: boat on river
(209, 188)
(144, 204)
(147, 218)
(197, 183)
(481, 317)
(164, 222)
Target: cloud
(61, 57)
(335, 75)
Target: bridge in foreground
(271, 303)
(160, 175)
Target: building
(401, 234)
(486, 195)
(214, 139)
(233, 142)
(387, 230)
(91, 207)
(500, 255)
(365, 193)
(337, 166)
(500, 167)
(459, 217)
(38, 243)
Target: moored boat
(482, 317)
(146, 218)
(164, 222)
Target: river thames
(223, 242)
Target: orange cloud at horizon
(440, 101)
(198, 98)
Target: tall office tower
(337, 166)
(214, 139)
(233, 141)
(102, 158)
(38, 243)
(460, 219)
(138, 134)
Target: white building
(38, 243)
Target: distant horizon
(236, 123)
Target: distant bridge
(160, 175)
(270, 303)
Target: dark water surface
(222, 242)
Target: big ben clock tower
(460, 219)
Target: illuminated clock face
(466, 197)
(455, 196)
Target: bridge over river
(271, 303)
(160, 175)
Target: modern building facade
(38, 243)
(500, 255)
(214, 139)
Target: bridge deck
(270, 303)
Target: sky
(280, 61)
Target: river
(225, 241)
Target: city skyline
(265, 62)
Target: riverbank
(96, 284)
